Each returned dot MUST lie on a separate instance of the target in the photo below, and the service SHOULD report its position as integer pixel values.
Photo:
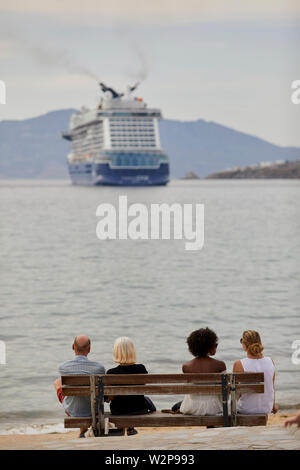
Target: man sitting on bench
(80, 365)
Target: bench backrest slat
(162, 389)
(152, 389)
(131, 379)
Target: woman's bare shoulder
(238, 367)
(186, 367)
(219, 365)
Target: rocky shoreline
(282, 170)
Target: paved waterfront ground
(239, 438)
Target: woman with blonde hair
(251, 403)
(125, 356)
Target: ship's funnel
(132, 88)
(114, 93)
(105, 88)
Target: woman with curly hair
(252, 403)
(202, 345)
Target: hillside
(33, 148)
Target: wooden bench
(226, 385)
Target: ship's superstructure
(117, 143)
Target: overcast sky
(228, 61)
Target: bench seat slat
(158, 419)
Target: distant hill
(33, 148)
(290, 170)
(206, 147)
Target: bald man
(79, 365)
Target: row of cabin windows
(134, 141)
(131, 120)
(133, 132)
(125, 161)
(132, 137)
(144, 144)
(131, 124)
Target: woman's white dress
(201, 405)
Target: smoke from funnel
(142, 67)
(49, 56)
(55, 58)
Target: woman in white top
(251, 403)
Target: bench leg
(225, 399)
(101, 420)
(93, 404)
(233, 400)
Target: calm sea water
(59, 280)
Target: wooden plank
(75, 391)
(128, 379)
(75, 380)
(77, 422)
(252, 420)
(250, 388)
(169, 389)
(249, 377)
(156, 419)
(159, 419)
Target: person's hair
(83, 347)
(253, 342)
(124, 351)
(201, 342)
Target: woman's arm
(294, 420)
(238, 368)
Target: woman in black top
(125, 355)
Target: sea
(59, 280)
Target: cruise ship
(117, 143)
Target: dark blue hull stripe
(102, 174)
